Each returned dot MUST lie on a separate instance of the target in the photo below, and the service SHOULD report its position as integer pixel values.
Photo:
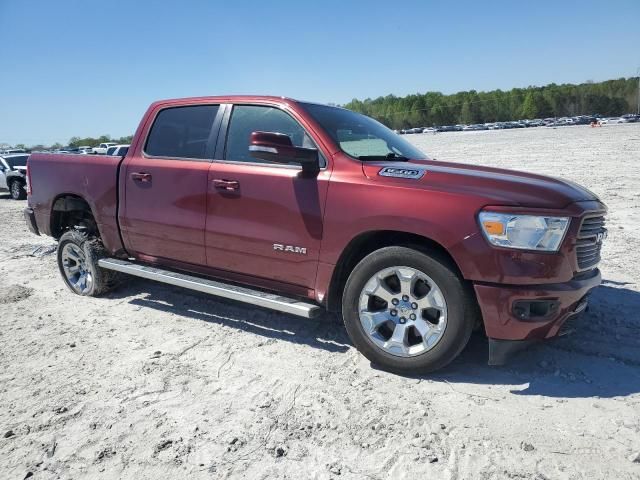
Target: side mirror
(277, 147)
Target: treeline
(609, 98)
(79, 142)
(94, 142)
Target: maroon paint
(244, 224)
(164, 216)
(496, 304)
(223, 218)
(91, 177)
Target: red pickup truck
(297, 206)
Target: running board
(212, 287)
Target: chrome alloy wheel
(403, 311)
(74, 264)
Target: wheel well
(10, 180)
(368, 242)
(71, 211)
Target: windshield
(19, 161)
(360, 136)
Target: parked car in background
(612, 120)
(474, 127)
(120, 150)
(85, 150)
(69, 149)
(13, 168)
(102, 148)
(12, 150)
(525, 123)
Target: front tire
(17, 190)
(407, 311)
(78, 256)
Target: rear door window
(181, 132)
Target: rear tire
(407, 311)
(17, 190)
(78, 256)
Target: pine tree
(529, 109)
(465, 113)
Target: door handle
(228, 185)
(141, 177)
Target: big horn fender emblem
(402, 172)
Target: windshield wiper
(388, 156)
(395, 156)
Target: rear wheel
(407, 311)
(78, 256)
(17, 190)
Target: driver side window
(246, 119)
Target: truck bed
(93, 178)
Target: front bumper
(502, 321)
(30, 218)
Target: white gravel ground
(156, 382)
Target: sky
(87, 68)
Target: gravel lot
(156, 382)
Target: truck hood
(498, 186)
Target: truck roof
(227, 99)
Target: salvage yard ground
(157, 382)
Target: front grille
(592, 232)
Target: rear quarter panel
(92, 177)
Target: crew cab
(300, 207)
(102, 148)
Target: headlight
(526, 232)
